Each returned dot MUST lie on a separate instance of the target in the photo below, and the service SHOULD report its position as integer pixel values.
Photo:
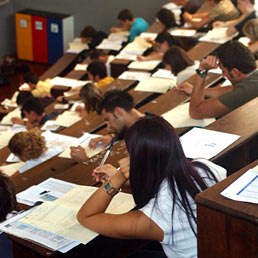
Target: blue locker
(54, 39)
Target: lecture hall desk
(226, 228)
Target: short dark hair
(92, 97)
(30, 77)
(97, 68)
(88, 32)
(34, 104)
(125, 14)
(165, 36)
(234, 54)
(7, 196)
(167, 18)
(117, 98)
(177, 59)
(96, 53)
(23, 96)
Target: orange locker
(24, 36)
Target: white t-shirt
(185, 242)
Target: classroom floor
(7, 91)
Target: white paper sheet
(203, 143)
(7, 118)
(50, 125)
(183, 33)
(84, 142)
(68, 118)
(67, 82)
(139, 76)
(110, 45)
(150, 35)
(9, 103)
(179, 117)
(163, 73)
(244, 189)
(217, 35)
(81, 67)
(144, 65)
(155, 85)
(11, 168)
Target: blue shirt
(139, 26)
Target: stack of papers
(155, 85)
(67, 82)
(59, 217)
(217, 35)
(203, 143)
(138, 76)
(245, 188)
(84, 142)
(179, 117)
(144, 65)
(110, 45)
(9, 103)
(183, 33)
(67, 118)
(77, 46)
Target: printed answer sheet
(245, 188)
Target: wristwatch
(108, 187)
(202, 73)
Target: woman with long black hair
(164, 184)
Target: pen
(44, 192)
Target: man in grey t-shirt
(238, 66)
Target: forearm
(216, 91)
(100, 200)
(254, 47)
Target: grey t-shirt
(242, 92)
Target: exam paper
(203, 143)
(149, 35)
(81, 67)
(48, 239)
(68, 118)
(7, 118)
(139, 76)
(77, 46)
(244, 189)
(110, 45)
(179, 117)
(144, 65)
(9, 103)
(165, 74)
(84, 142)
(217, 35)
(155, 85)
(49, 190)
(11, 169)
(60, 216)
(73, 83)
(183, 33)
(50, 125)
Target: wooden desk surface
(62, 65)
(201, 50)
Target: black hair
(97, 68)
(30, 77)
(124, 15)
(167, 18)
(34, 104)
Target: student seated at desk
(8, 208)
(246, 7)
(35, 113)
(39, 89)
(189, 6)
(92, 37)
(238, 66)
(128, 23)
(103, 56)
(91, 97)
(97, 73)
(164, 184)
(28, 145)
(222, 10)
(166, 19)
(180, 64)
(119, 114)
(161, 44)
(250, 30)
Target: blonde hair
(30, 144)
(250, 29)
